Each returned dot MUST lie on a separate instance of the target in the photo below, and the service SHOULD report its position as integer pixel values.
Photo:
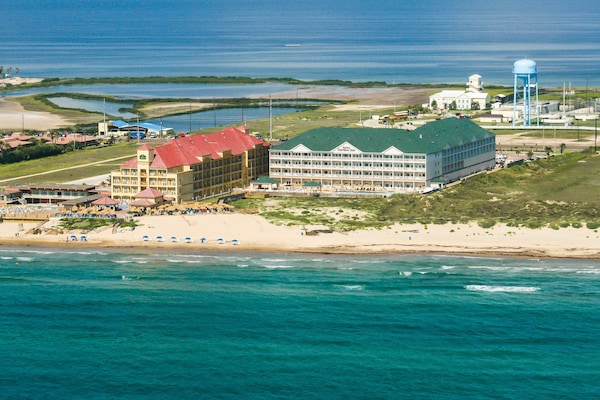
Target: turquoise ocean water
(107, 325)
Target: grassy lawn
(66, 160)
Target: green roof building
(384, 160)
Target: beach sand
(14, 117)
(254, 233)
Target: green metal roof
(264, 179)
(429, 138)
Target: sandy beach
(14, 117)
(254, 233)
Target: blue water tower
(526, 79)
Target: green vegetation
(90, 163)
(35, 151)
(88, 224)
(560, 191)
(51, 82)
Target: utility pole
(595, 134)
(270, 119)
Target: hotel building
(383, 160)
(193, 167)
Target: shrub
(486, 223)
(576, 225)
(533, 224)
(593, 225)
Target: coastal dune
(243, 232)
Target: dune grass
(558, 192)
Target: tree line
(39, 149)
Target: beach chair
(220, 241)
(203, 240)
(235, 242)
(188, 240)
(146, 238)
(174, 239)
(159, 238)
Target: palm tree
(4, 147)
(1, 71)
(17, 71)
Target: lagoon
(216, 118)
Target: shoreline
(256, 234)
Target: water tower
(526, 78)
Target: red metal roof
(190, 150)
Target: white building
(383, 160)
(469, 99)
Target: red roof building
(193, 167)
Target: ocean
(358, 40)
(98, 324)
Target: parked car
(135, 135)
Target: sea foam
(512, 289)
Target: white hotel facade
(383, 160)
